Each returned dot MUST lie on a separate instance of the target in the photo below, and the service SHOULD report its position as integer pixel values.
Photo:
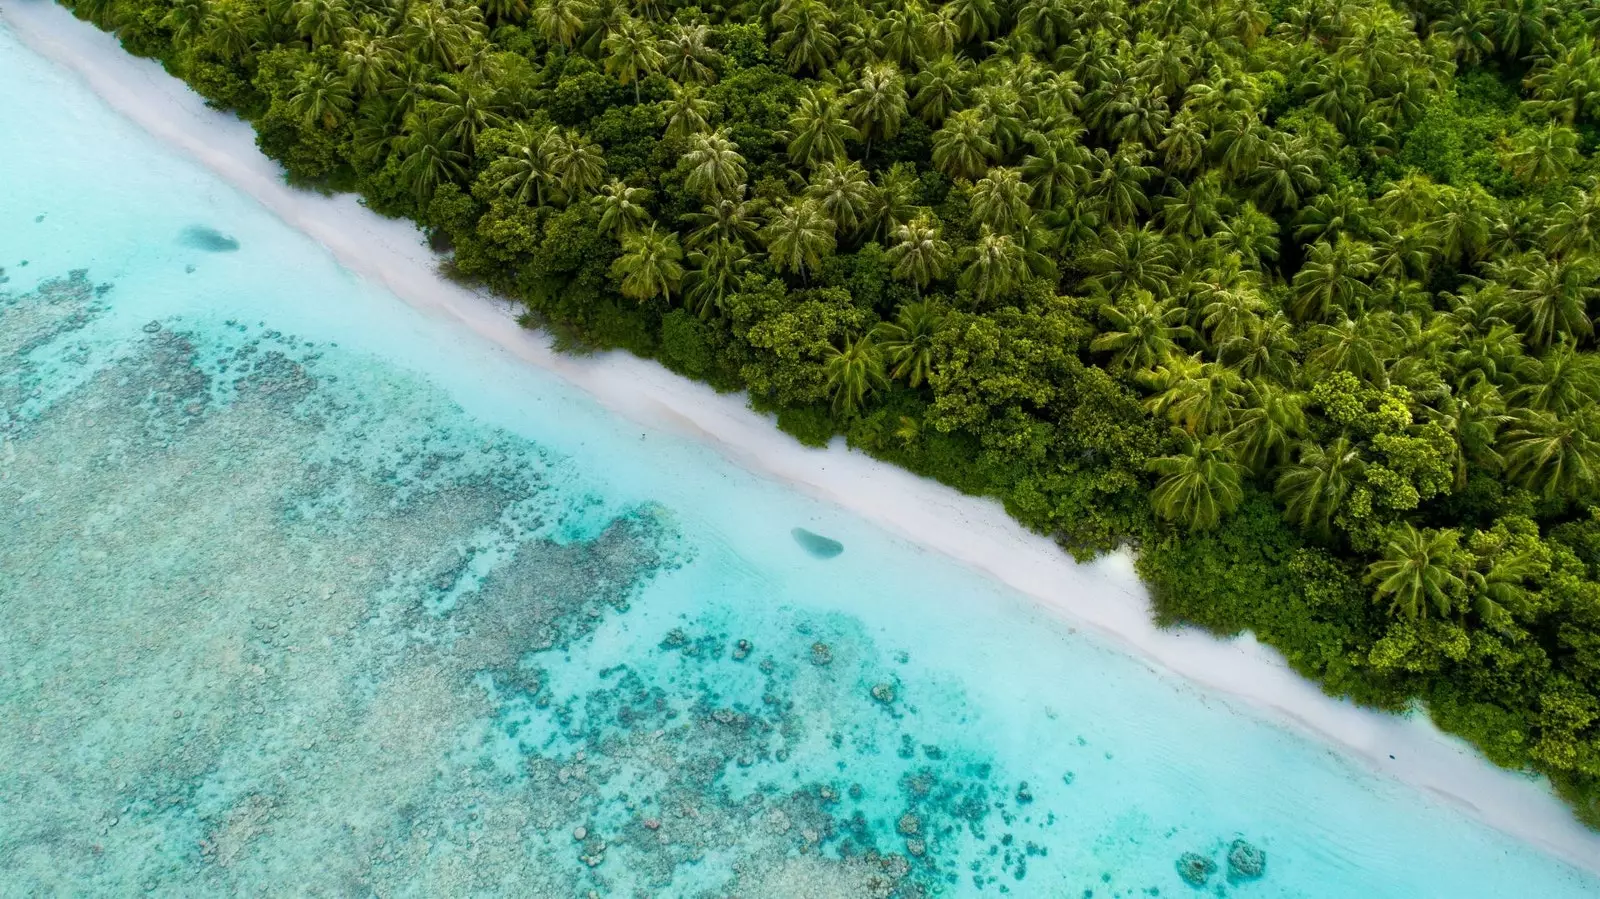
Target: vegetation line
(1295, 295)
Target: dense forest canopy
(1295, 295)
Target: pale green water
(301, 594)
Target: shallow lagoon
(303, 593)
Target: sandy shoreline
(1104, 597)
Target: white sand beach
(1104, 597)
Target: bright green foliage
(1297, 296)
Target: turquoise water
(301, 593)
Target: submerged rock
(821, 654)
(204, 237)
(1195, 869)
(1246, 861)
(817, 545)
(883, 693)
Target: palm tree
(631, 52)
(1145, 333)
(903, 34)
(230, 28)
(997, 265)
(1131, 260)
(429, 159)
(1266, 350)
(368, 64)
(622, 208)
(561, 21)
(1193, 210)
(962, 148)
(507, 11)
(977, 19)
(797, 238)
(187, 19)
(1554, 455)
(727, 219)
(1358, 346)
(1468, 30)
(919, 255)
(575, 165)
(1460, 228)
(716, 170)
(1410, 201)
(1285, 174)
(819, 128)
(1198, 397)
(1000, 200)
(1047, 23)
(1118, 183)
(878, 103)
(321, 97)
(1553, 296)
(1198, 486)
(907, 342)
(1562, 381)
(1249, 234)
(441, 35)
(322, 22)
(466, 110)
(713, 274)
(690, 59)
(688, 113)
(1543, 155)
(1056, 169)
(892, 203)
(1313, 489)
(650, 265)
(1418, 571)
(1562, 81)
(853, 373)
(1519, 25)
(1267, 427)
(941, 86)
(844, 192)
(1575, 224)
(1333, 279)
(806, 38)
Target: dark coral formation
(1246, 861)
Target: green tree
(650, 265)
(716, 169)
(1418, 572)
(1316, 487)
(622, 208)
(907, 342)
(1000, 201)
(798, 236)
(631, 52)
(877, 103)
(854, 373)
(1197, 486)
(962, 148)
(819, 128)
(561, 21)
(1142, 334)
(919, 255)
(843, 192)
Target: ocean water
(301, 593)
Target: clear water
(301, 594)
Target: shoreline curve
(1104, 597)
